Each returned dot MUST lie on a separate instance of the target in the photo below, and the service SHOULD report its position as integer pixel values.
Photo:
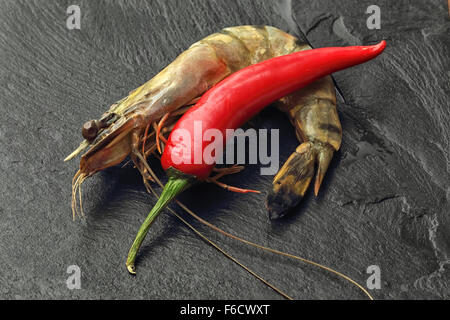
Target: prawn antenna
(205, 238)
(229, 235)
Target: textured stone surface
(385, 201)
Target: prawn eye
(90, 130)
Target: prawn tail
(324, 156)
(291, 182)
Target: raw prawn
(131, 125)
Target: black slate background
(385, 201)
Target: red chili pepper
(235, 100)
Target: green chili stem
(175, 185)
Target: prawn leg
(231, 188)
(227, 171)
(138, 158)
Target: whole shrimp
(131, 124)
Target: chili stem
(174, 186)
